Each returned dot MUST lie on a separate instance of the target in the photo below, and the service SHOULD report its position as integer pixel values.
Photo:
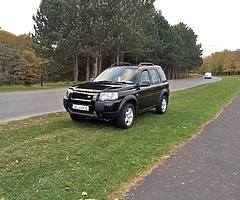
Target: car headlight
(69, 91)
(106, 96)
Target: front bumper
(101, 110)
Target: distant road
(188, 83)
(19, 105)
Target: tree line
(222, 63)
(80, 38)
(77, 39)
(19, 63)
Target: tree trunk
(122, 57)
(95, 65)
(76, 71)
(100, 62)
(169, 72)
(118, 55)
(174, 74)
(41, 79)
(88, 68)
(113, 58)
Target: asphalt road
(14, 106)
(207, 168)
(176, 85)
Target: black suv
(120, 93)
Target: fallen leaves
(84, 194)
(67, 188)
(166, 157)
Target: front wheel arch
(166, 93)
(129, 99)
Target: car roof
(126, 67)
(142, 65)
(138, 67)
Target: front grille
(82, 96)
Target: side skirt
(146, 109)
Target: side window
(144, 77)
(162, 75)
(154, 77)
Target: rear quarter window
(154, 76)
(162, 75)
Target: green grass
(20, 88)
(51, 157)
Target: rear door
(156, 86)
(144, 93)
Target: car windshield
(118, 75)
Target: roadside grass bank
(51, 157)
(21, 88)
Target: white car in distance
(208, 75)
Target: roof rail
(121, 64)
(146, 64)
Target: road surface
(207, 168)
(19, 105)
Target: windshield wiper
(103, 82)
(112, 82)
(123, 82)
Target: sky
(216, 22)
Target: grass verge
(51, 157)
(21, 88)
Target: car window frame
(139, 81)
(162, 75)
(159, 78)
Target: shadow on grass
(97, 123)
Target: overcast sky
(216, 22)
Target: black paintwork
(143, 97)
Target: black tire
(162, 105)
(75, 117)
(121, 120)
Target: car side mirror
(91, 79)
(145, 84)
